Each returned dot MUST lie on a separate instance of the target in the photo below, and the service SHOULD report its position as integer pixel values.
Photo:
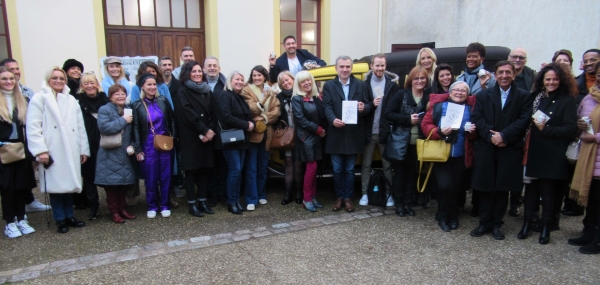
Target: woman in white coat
(57, 138)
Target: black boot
(93, 212)
(409, 210)
(287, 198)
(545, 235)
(233, 208)
(299, 197)
(524, 233)
(400, 211)
(203, 207)
(587, 237)
(62, 227)
(194, 210)
(594, 246)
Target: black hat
(71, 63)
(143, 78)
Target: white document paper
(350, 112)
(127, 112)
(378, 92)
(454, 115)
(540, 116)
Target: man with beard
(293, 59)
(166, 66)
(187, 55)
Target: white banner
(130, 64)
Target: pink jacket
(586, 107)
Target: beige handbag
(12, 152)
(112, 141)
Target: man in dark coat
(502, 114)
(166, 66)
(293, 59)
(344, 141)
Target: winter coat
(88, 169)
(55, 125)
(268, 111)
(391, 87)
(232, 113)
(114, 166)
(398, 115)
(162, 89)
(349, 139)
(500, 168)
(585, 109)
(432, 118)
(308, 120)
(19, 174)
(196, 115)
(141, 125)
(546, 153)
(525, 79)
(281, 63)
(476, 88)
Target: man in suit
(293, 59)
(345, 141)
(502, 114)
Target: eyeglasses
(420, 79)
(515, 57)
(460, 90)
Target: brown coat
(269, 114)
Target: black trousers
(196, 178)
(592, 211)
(13, 202)
(217, 181)
(405, 177)
(449, 176)
(546, 189)
(492, 207)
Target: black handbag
(232, 136)
(397, 144)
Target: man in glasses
(525, 75)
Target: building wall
(539, 26)
(50, 32)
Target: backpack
(377, 188)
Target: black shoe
(400, 212)
(594, 246)
(240, 207)
(93, 213)
(287, 199)
(573, 212)
(203, 207)
(62, 227)
(524, 233)
(410, 211)
(586, 238)
(454, 223)
(444, 226)
(514, 212)
(233, 208)
(538, 227)
(497, 233)
(480, 231)
(545, 235)
(299, 198)
(193, 210)
(72, 222)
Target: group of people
(194, 127)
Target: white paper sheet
(454, 115)
(350, 112)
(127, 111)
(378, 92)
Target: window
(301, 19)
(5, 51)
(154, 13)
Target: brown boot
(338, 204)
(348, 205)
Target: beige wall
(540, 26)
(245, 34)
(54, 31)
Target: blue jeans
(343, 174)
(62, 206)
(235, 161)
(257, 161)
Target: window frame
(299, 23)
(155, 27)
(6, 30)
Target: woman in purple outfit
(152, 115)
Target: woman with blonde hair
(427, 59)
(309, 121)
(57, 138)
(17, 176)
(114, 73)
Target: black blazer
(546, 155)
(349, 139)
(281, 63)
(233, 113)
(141, 124)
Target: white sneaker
(151, 214)
(390, 202)
(24, 218)
(11, 231)
(262, 201)
(24, 227)
(165, 213)
(364, 201)
(250, 207)
(36, 206)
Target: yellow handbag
(430, 151)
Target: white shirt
(504, 96)
(294, 65)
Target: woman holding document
(450, 174)
(552, 128)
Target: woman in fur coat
(57, 138)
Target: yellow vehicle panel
(328, 72)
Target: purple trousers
(157, 174)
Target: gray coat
(114, 166)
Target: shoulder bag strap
(149, 117)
